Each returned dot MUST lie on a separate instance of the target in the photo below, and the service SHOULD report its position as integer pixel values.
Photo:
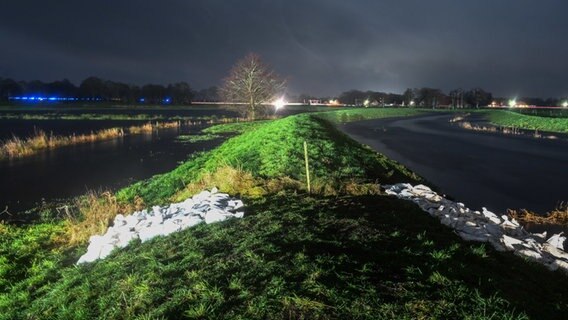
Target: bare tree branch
(252, 83)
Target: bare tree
(253, 84)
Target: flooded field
(71, 171)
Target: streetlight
(565, 104)
(279, 104)
(512, 102)
(366, 103)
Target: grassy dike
(342, 252)
(523, 121)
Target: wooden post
(307, 166)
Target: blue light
(142, 99)
(46, 98)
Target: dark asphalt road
(480, 169)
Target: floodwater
(66, 172)
(481, 169)
(71, 171)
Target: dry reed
(92, 214)
(16, 147)
(556, 216)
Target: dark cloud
(323, 46)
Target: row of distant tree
(430, 97)
(98, 89)
(182, 93)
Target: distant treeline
(430, 97)
(94, 88)
(181, 93)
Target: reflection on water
(70, 171)
(110, 164)
(481, 169)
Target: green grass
(293, 255)
(551, 112)
(517, 120)
(299, 257)
(275, 149)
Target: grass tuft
(92, 214)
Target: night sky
(323, 47)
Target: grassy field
(552, 113)
(86, 116)
(522, 121)
(342, 252)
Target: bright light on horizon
(512, 102)
(565, 104)
(279, 104)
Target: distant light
(412, 102)
(366, 103)
(512, 102)
(142, 99)
(279, 104)
(565, 104)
